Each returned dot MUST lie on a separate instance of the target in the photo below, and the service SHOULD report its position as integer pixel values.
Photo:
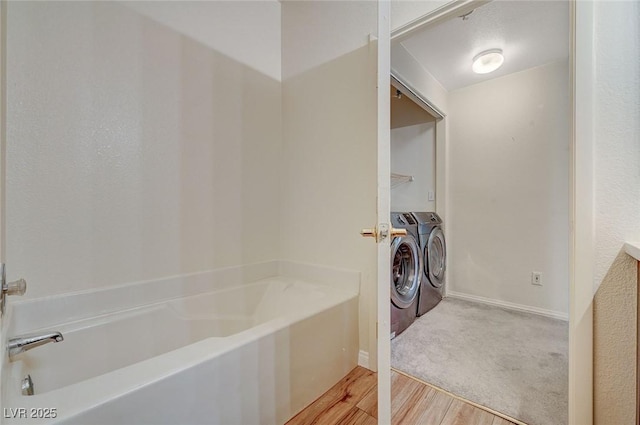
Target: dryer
(406, 272)
(433, 250)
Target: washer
(406, 272)
(434, 256)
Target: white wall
(509, 188)
(309, 40)
(133, 151)
(413, 153)
(406, 67)
(406, 11)
(155, 147)
(330, 141)
(246, 31)
(617, 208)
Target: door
(384, 212)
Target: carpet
(512, 362)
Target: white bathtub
(244, 353)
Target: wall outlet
(536, 278)
(431, 196)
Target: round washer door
(405, 271)
(436, 257)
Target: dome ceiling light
(487, 61)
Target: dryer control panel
(402, 219)
(427, 218)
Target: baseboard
(363, 359)
(510, 306)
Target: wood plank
(336, 403)
(461, 413)
(357, 417)
(497, 420)
(414, 407)
(402, 390)
(353, 387)
(369, 403)
(354, 401)
(324, 411)
(434, 408)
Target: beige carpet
(512, 362)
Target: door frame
(3, 122)
(581, 214)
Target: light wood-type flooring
(354, 401)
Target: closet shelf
(398, 179)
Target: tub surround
(633, 249)
(279, 333)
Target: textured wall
(133, 152)
(617, 207)
(509, 188)
(614, 334)
(617, 130)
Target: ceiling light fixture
(487, 61)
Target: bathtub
(224, 351)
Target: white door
(383, 210)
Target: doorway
(492, 180)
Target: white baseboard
(510, 306)
(363, 359)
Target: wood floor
(354, 401)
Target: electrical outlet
(536, 278)
(431, 196)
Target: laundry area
(480, 182)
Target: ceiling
(530, 33)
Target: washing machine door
(406, 268)
(436, 257)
